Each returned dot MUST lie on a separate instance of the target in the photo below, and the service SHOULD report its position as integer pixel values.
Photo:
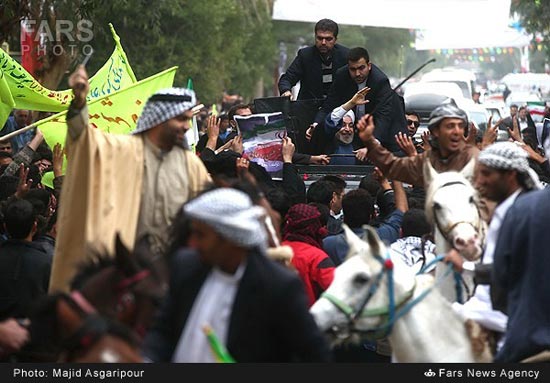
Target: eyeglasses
(412, 122)
(321, 38)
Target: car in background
(425, 103)
(464, 78)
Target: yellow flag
(116, 113)
(27, 92)
(6, 100)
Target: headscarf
(303, 224)
(164, 105)
(448, 110)
(231, 214)
(508, 156)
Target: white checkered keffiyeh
(509, 156)
(231, 214)
(157, 112)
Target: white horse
(452, 208)
(423, 327)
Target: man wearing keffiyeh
(256, 307)
(127, 184)
(502, 175)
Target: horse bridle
(445, 231)
(353, 314)
(123, 296)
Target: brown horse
(62, 331)
(126, 288)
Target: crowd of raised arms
(159, 253)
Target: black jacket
(389, 116)
(24, 277)
(306, 68)
(270, 321)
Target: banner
(27, 92)
(116, 113)
(6, 100)
(262, 140)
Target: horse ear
(373, 239)
(356, 244)
(429, 172)
(123, 257)
(469, 169)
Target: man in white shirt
(502, 174)
(256, 307)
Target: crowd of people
(247, 255)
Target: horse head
(62, 331)
(356, 304)
(125, 288)
(452, 208)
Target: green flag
(192, 135)
(116, 113)
(6, 100)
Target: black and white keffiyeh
(509, 156)
(164, 105)
(231, 214)
(448, 110)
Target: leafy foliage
(535, 18)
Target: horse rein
(353, 315)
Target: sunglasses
(415, 123)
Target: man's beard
(345, 139)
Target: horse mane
(100, 260)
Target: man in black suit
(314, 67)
(256, 307)
(387, 106)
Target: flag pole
(17, 132)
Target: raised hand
(365, 126)
(23, 185)
(515, 133)
(357, 99)
(78, 81)
(237, 144)
(491, 134)
(426, 140)
(288, 149)
(472, 133)
(57, 160)
(406, 144)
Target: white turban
(351, 115)
(164, 105)
(231, 214)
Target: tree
(220, 44)
(57, 23)
(535, 18)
